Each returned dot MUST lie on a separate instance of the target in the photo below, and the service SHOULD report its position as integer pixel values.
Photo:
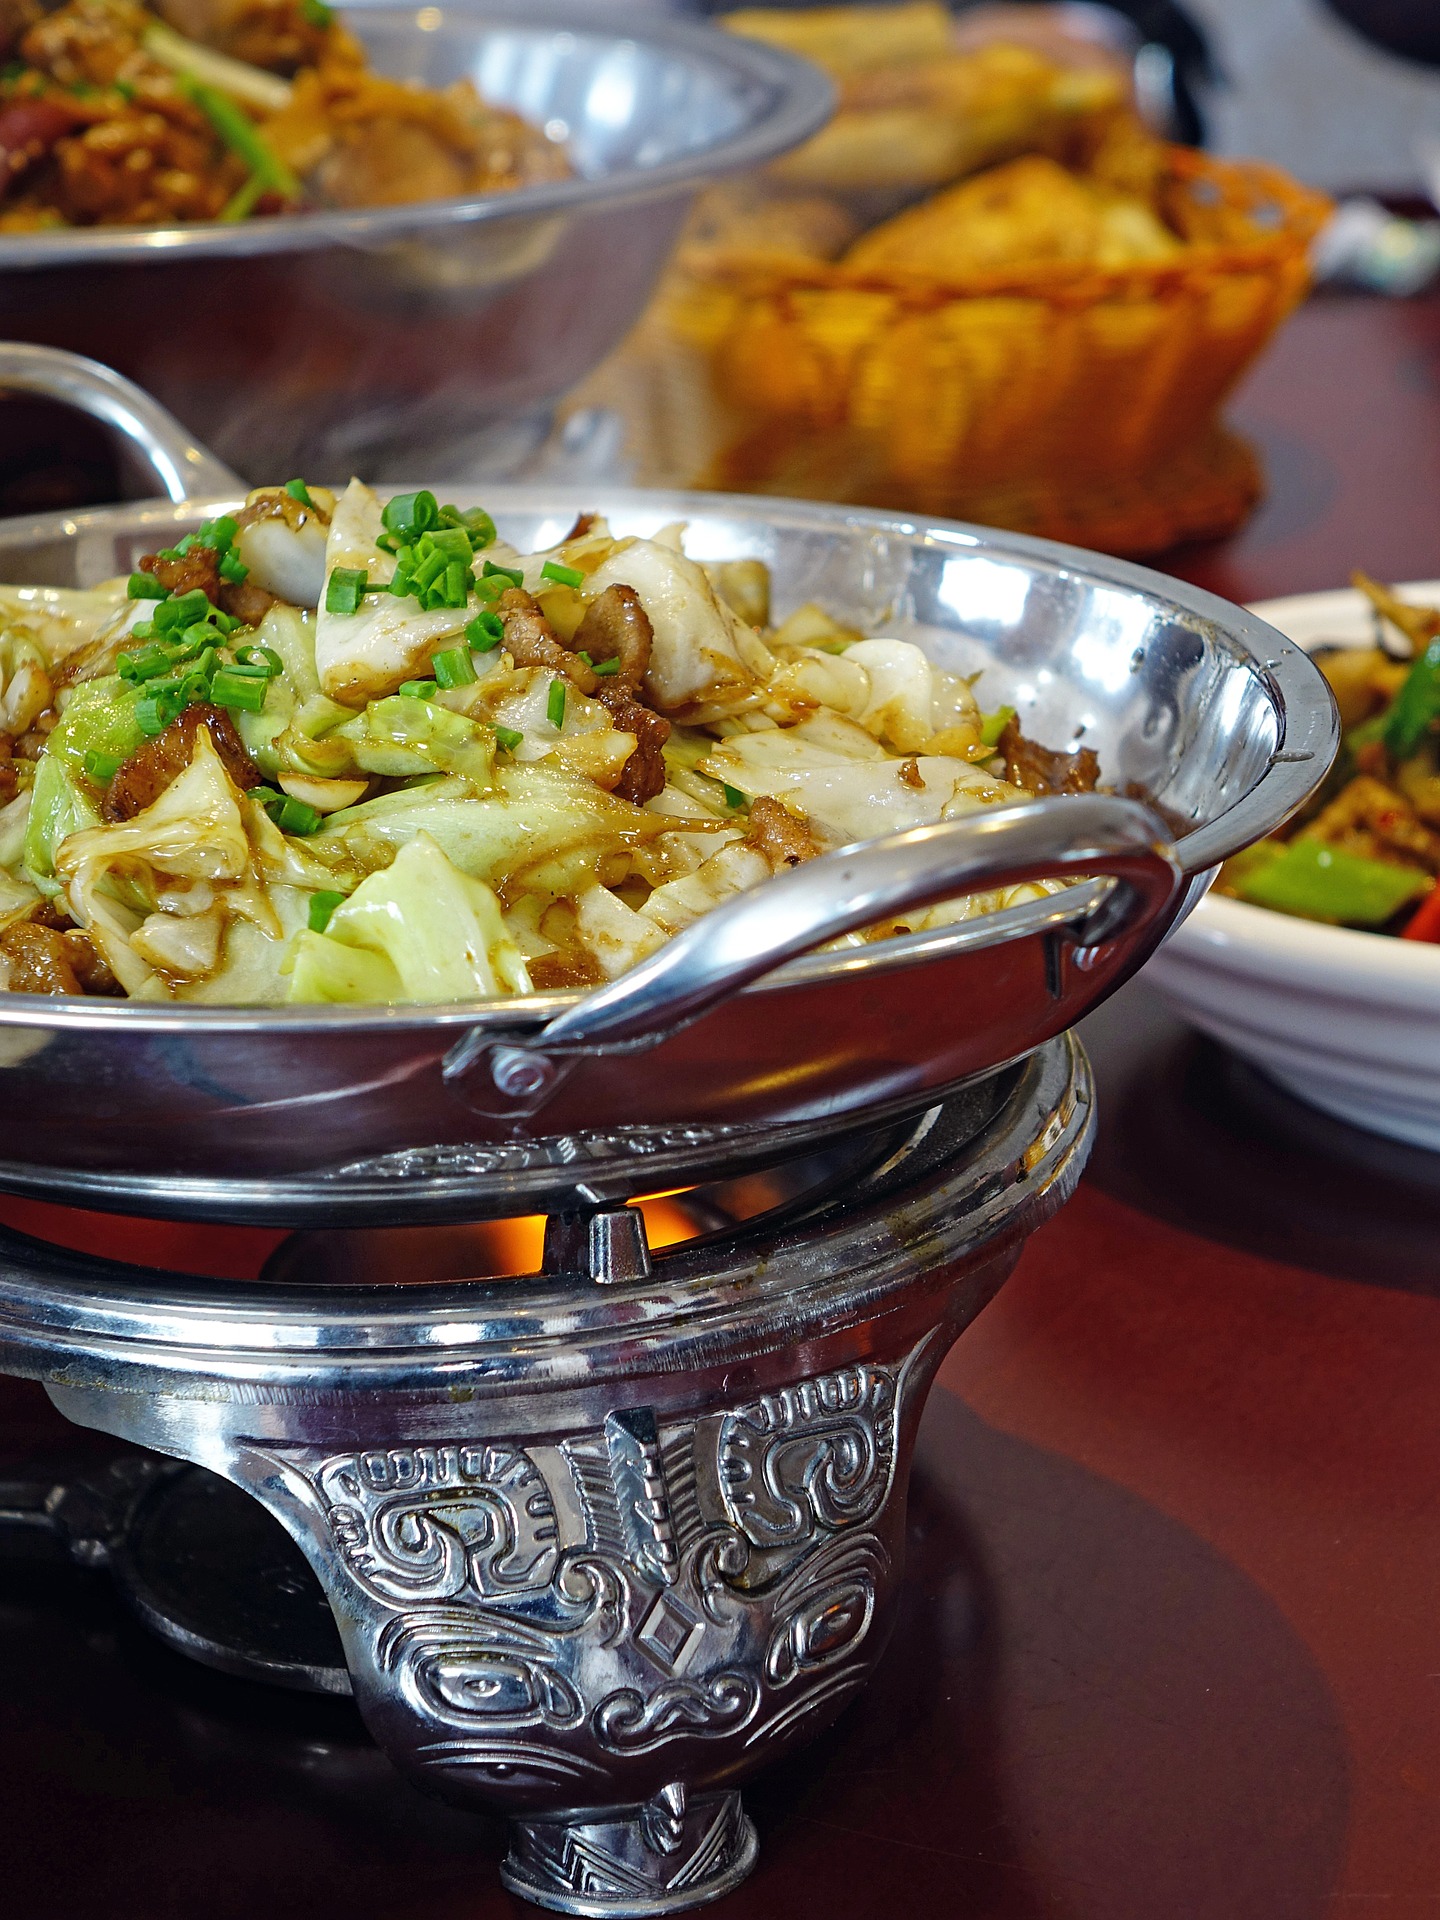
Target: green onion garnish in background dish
(453, 667)
(322, 905)
(345, 589)
(555, 705)
(240, 134)
(562, 576)
(1417, 705)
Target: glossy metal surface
(594, 1555)
(331, 343)
(293, 1114)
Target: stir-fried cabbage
(417, 930)
(338, 750)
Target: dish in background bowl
(366, 341)
(1044, 343)
(1345, 1020)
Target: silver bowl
(366, 341)
(735, 1042)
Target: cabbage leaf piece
(192, 835)
(62, 619)
(539, 830)
(420, 931)
(363, 655)
(619, 936)
(402, 736)
(891, 689)
(59, 808)
(704, 656)
(847, 799)
(99, 718)
(291, 732)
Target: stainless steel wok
(329, 341)
(735, 1043)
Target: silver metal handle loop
(183, 469)
(1089, 835)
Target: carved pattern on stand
(724, 1581)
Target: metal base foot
(673, 1853)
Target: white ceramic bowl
(1349, 1022)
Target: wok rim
(1307, 737)
(804, 101)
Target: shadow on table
(1084, 1713)
(1192, 1135)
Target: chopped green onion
(145, 663)
(476, 522)
(218, 533)
(734, 797)
(155, 711)
(144, 586)
(453, 667)
(124, 88)
(102, 767)
(429, 568)
(555, 705)
(418, 689)
(583, 655)
(233, 569)
(183, 610)
(409, 515)
(265, 657)
(240, 134)
(513, 574)
(562, 576)
(241, 203)
(298, 490)
(608, 666)
(508, 738)
(345, 589)
(490, 587)
(453, 542)
(315, 13)
(485, 632)
(233, 687)
(322, 905)
(992, 725)
(292, 815)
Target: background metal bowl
(437, 334)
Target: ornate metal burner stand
(594, 1553)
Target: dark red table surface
(1171, 1647)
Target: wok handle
(183, 468)
(1074, 836)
